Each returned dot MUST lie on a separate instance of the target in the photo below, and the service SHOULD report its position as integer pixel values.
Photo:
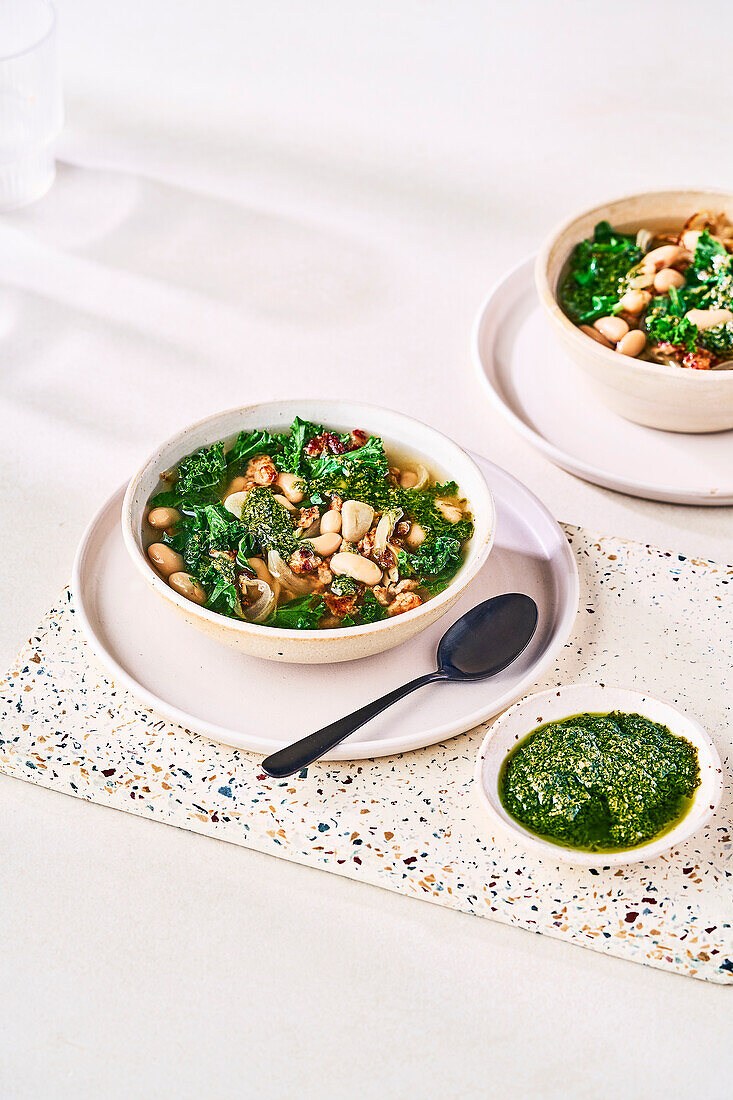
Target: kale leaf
(201, 470)
(719, 340)
(371, 455)
(301, 431)
(434, 564)
(219, 578)
(370, 609)
(419, 505)
(666, 323)
(248, 444)
(303, 613)
(710, 256)
(594, 282)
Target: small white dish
(404, 438)
(239, 700)
(558, 703)
(656, 395)
(536, 388)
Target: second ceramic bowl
(551, 706)
(404, 438)
(659, 396)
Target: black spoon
(481, 643)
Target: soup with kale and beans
(305, 529)
(662, 296)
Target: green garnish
(268, 522)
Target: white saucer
(549, 402)
(260, 705)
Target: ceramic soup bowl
(404, 439)
(659, 396)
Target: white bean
(356, 519)
(330, 521)
(643, 277)
(408, 479)
(632, 343)
(613, 328)
(690, 238)
(234, 503)
(187, 586)
(261, 571)
(589, 331)
(163, 517)
(709, 318)
(667, 278)
(326, 544)
(634, 301)
(284, 501)
(664, 256)
(356, 567)
(415, 536)
(292, 487)
(449, 511)
(165, 560)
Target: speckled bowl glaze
(672, 398)
(551, 706)
(404, 438)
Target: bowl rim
(548, 295)
(691, 823)
(463, 578)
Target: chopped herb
(345, 586)
(268, 522)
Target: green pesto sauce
(599, 782)
(267, 521)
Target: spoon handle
(315, 745)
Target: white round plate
(259, 705)
(549, 402)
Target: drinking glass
(30, 100)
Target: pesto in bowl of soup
(309, 531)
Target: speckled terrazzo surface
(413, 823)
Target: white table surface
(260, 200)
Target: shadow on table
(268, 265)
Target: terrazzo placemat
(413, 823)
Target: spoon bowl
(485, 640)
